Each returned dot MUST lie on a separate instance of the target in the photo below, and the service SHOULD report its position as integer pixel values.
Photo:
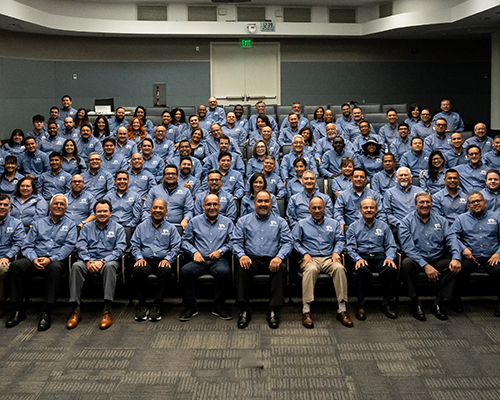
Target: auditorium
(221, 199)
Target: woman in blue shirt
(432, 179)
(342, 181)
(371, 158)
(140, 112)
(9, 179)
(413, 115)
(306, 133)
(101, 128)
(197, 148)
(27, 205)
(72, 163)
(179, 120)
(15, 145)
(256, 184)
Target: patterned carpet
(207, 358)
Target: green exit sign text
(246, 42)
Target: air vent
(385, 10)
(153, 12)
(296, 14)
(343, 15)
(202, 13)
(251, 14)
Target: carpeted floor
(207, 358)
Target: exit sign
(246, 42)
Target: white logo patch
(64, 228)
(437, 227)
(274, 223)
(379, 232)
(110, 234)
(10, 229)
(165, 232)
(491, 221)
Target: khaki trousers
(323, 265)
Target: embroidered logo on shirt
(110, 234)
(38, 159)
(179, 191)
(482, 172)
(231, 178)
(274, 223)
(10, 229)
(222, 226)
(222, 198)
(165, 232)
(329, 228)
(64, 228)
(426, 158)
(462, 200)
(437, 227)
(102, 178)
(491, 221)
(83, 201)
(144, 177)
(62, 178)
(130, 200)
(379, 232)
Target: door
(245, 75)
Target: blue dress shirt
(449, 207)
(416, 162)
(318, 239)
(363, 239)
(33, 163)
(98, 184)
(113, 164)
(398, 203)
(346, 209)
(381, 182)
(107, 244)
(80, 207)
(298, 206)
(142, 182)
(149, 241)
(472, 178)
(49, 184)
(34, 208)
(227, 204)
(12, 236)
(179, 203)
(127, 208)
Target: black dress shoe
(389, 313)
(457, 306)
(16, 317)
(418, 313)
(273, 320)
(44, 323)
(497, 311)
(439, 313)
(361, 313)
(244, 319)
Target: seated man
(141, 181)
(100, 245)
(124, 146)
(204, 122)
(319, 129)
(457, 155)
(366, 134)
(298, 205)
(329, 166)
(424, 127)
(127, 204)
(384, 180)
(345, 118)
(287, 169)
(261, 253)
(224, 146)
(215, 113)
(211, 143)
(80, 202)
(69, 131)
(178, 198)
(87, 143)
(55, 181)
(478, 233)
(11, 240)
(185, 151)
(275, 185)
(241, 121)
(402, 143)
(347, 206)
(292, 129)
(319, 240)
(492, 158)
(389, 132)
(492, 190)
(226, 200)
(301, 120)
(155, 245)
(48, 243)
(427, 243)
(473, 173)
(480, 139)
(117, 121)
(260, 107)
(66, 109)
(152, 163)
(371, 246)
(186, 178)
(351, 130)
(52, 142)
(451, 201)
(232, 180)
(417, 159)
(38, 132)
(112, 161)
(162, 147)
(454, 121)
(233, 130)
(33, 162)
(98, 181)
(206, 240)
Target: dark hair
(390, 155)
(414, 138)
(389, 110)
(183, 158)
(225, 137)
(55, 154)
(75, 153)
(38, 118)
(109, 139)
(214, 171)
(148, 140)
(143, 119)
(197, 129)
(359, 169)
(166, 112)
(345, 105)
(317, 109)
(52, 122)
(84, 120)
(3, 197)
(68, 96)
(493, 171)
(86, 126)
(121, 171)
(17, 192)
(301, 160)
(16, 132)
(343, 162)
(224, 154)
(253, 179)
(411, 108)
(10, 158)
(171, 166)
(184, 141)
(471, 146)
(106, 127)
(54, 108)
(403, 124)
(254, 152)
(433, 171)
(183, 115)
(103, 201)
(451, 170)
(311, 137)
(264, 118)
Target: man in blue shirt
(298, 206)
(80, 202)
(371, 247)
(451, 201)
(152, 163)
(117, 121)
(48, 243)
(491, 192)
(52, 142)
(389, 132)
(287, 170)
(417, 159)
(204, 122)
(427, 243)
(492, 158)
(347, 206)
(211, 161)
(233, 130)
(351, 130)
(214, 112)
(457, 155)
(288, 132)
(101, 244)
(155, 245)
(261, 241)
(366, 133)
(162, 147)
(384, 180)
(124, 146)
(69, 131)
(184, 150)
(88, 143)
(98, 181)
(127, 204)
(346, 117)
(455, 123)
(206, 240)
(480, 139)
(211, 143)
(440, 139)
(112, 161)
(141, 181)
(260, 107)
(275, 185)
(226, 200)
(423, 128)
(66, 109)
(473, 173)
(11, 240)
(33, 161)
(301, 120)
(186, 178)
(178, 198)
(402, 143)
(319, 240)
(38, 132)
(330, 161)
(478, 232)
(241, 121)
(55, 181)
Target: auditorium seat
(400, 108)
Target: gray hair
(95, 153)
(308, 171)
(474, 193)
(401, 169)
(58, 194)
(299, 137)
(421, 193)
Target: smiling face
(262, 204)
(424, 206)
(492, 181)
(437, 161)
(121, 182)
(368, 209)
(102, 213)
(476, 204)
(317, 208)
(158, 210)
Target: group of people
(70, 187)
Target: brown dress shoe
(344, 319)
(360, 313)
(74, 320)
(307, 320)
(389, 313)
(106, 320)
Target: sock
(76, 307)
(107, 305)
(306, 307)
(342, 306)
(437, 301)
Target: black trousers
(140, 277)
(410, 270)
(363, 275)
(469, 266)
(22, 270)
(260, 266)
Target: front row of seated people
(261, 241)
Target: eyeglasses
(474, 154)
